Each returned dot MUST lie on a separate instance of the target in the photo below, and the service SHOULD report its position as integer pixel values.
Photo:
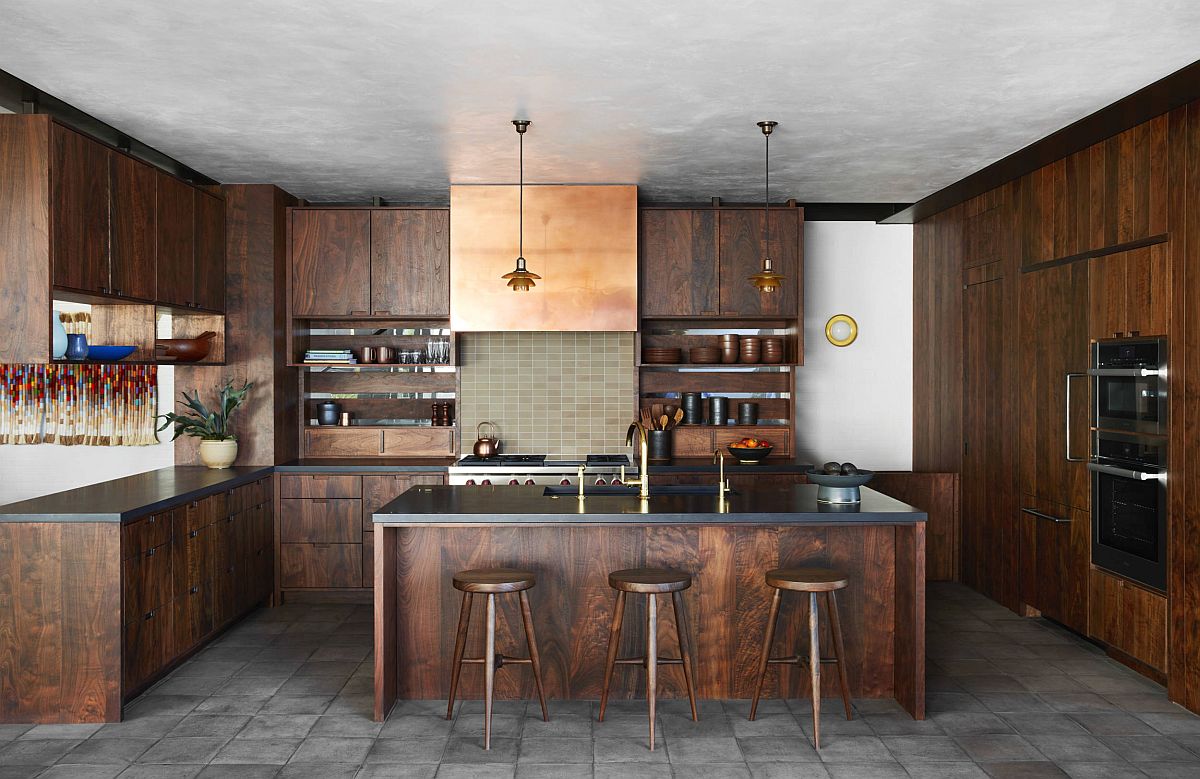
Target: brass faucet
(722, 485)
(581, 496)
(643, 479)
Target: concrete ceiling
(878, 100)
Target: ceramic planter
(218, 454)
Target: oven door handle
(1067, 417)
(1127, 473)
(1134, 372)
(1042, 515)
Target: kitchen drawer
(191, 618)
(368, 559)
(1128, 618)
(148, 646)
(147, 582)
(419, 442)
(692, 441)
(316, 520)
(320, 565)
(207, 510)
(145, 534)
(343, 442)
(227, 541)
(192, 558)
(249, 495)
(378, 491)
(319, 485)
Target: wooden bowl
(186, 349)
(704, 355)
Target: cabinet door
(988, 527)
(331, 262)
(410, 263)
(316, 520)
(1107, 296)
(678, 264)
(80, 174)
(1129, 619)
(1147, 291)
(1135, 191)
(134, 186)
(210, 251)
(1055, 560)
(176, 227)
(148, 582)
(148, 646)
(1054, 360)
(191, 618)
(378, 491)
(741, 252)
(320, 565)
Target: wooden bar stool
(812, 581)
(492, 582)
(651, 582)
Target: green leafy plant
(209, 425)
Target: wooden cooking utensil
(662, 422)
(678, 417)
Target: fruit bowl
(750, 454)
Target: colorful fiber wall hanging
(86, 404)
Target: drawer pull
(151, 552)
(151, 614)
(320, 501)
(1042, 515)
(193, 533)
(194, 590)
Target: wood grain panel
(79, 211)
(1148, 291)
(209, 268)
(741, 251)
(668, 381)
(25, 237)
(343, 442)
(410, 262)
(147, 582)
(1107, 296)
(134, 228)
(378, 491)
(320, 521)
(418, 441)
(127, 325)
(936, 494)
(1129, 619)
(678, 262)
(331, 262)
(319, 485)
(379, 381)
(60, 639)
(176, 242)
(320, 565)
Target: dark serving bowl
(831, 480)
(745, 454)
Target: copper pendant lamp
(520, 279)
(767, 280)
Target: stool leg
(814, 661)
(460, 644)
(614, 639)
(839, 651)
(489, 670)
(534, 658)
(772, 618)
(685, 650)
(651, 658)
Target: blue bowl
(110, 353)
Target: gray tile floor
(287, 693)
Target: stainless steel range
(538, 469)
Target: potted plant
(218, 445)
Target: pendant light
(520, 280)
(767, 280)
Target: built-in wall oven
(1129, 459)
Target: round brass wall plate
(841, 330)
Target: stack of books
(324, 356)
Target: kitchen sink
(621, 489)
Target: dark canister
(693, 411)
(718, 410)
(659, 445)
(328, 413)
(747, 413)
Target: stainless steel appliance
(1129, 378)
(527, 469)
(1129, 506)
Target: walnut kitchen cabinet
(1129, 293)
(132, 256)
(209, 259)
(740, 256)
(678, 268)
(410, 263)
(176, 243)
(1129, 619)
(331, 262)
(1055, 553)
(79, 208)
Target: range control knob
(565, 483)
(616, 482)
(529, 482)
(469, 483)
(486, 482)
(600, 482)
(513, 482)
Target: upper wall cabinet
(410, 263)
(697, 262)
(678, 269)
(331, 262)
(209, 258)
(134, 212)
(79, 211)
(176, 231)
(1129, 293)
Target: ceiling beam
(1166, 94)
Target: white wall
(30, 471)
(854, 403)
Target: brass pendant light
(767, 280)
(521, 280)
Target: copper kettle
(487, 445)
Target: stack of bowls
(729, 348)
(704, 355)
(751, 349)
(662, 356)
(772, 349)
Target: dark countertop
(528, 505)
(126, 499)
(706, 465)
(365, 464)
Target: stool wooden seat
(491, 582)
(814, 581)
(651, 582)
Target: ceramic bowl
(109, 353)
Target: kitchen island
(430, 532)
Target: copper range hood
(581, 239)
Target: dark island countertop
(126, 499)
(365, 464)
(512, 505)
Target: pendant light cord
(521, 198)
(767, 202)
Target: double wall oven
(1128, 463)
